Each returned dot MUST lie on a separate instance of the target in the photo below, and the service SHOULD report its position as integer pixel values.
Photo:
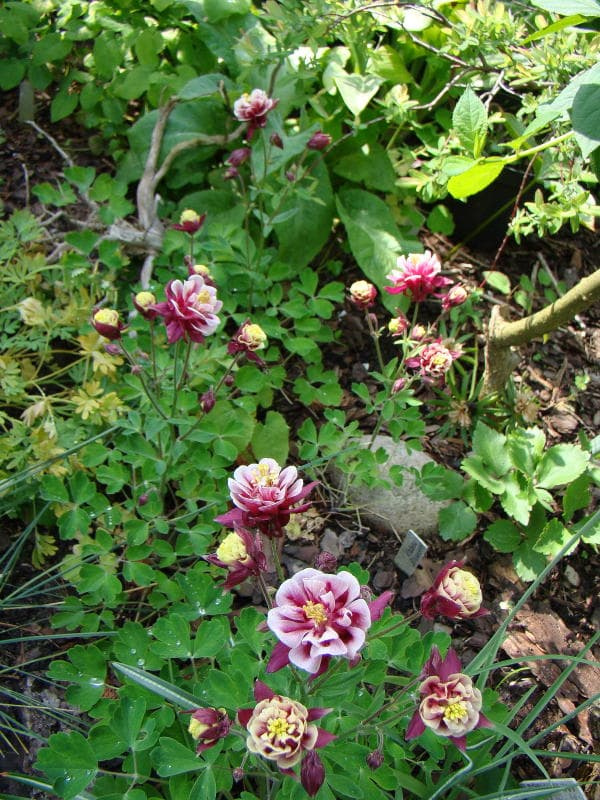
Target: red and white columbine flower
(265, 495)
(207, 726)
(108, 323)
(455, 594)
(190, 221)
(455, 296)
(317, 616)
(253, 109)
(190, 310)
(416, 275)
(144, 303)
(363, 294)
(241, 554)
(450, 704)
(434, 360)
(281, 730)
(248, 338)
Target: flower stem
(276, 561)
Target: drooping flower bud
(248, 338)
(398, 385)
(113, 349)
(239, 156)
(418, 333)
(455, 594)
(319, 141)
(108, 324)
(231, 173)
(207, 726)
(190, 221)
(290, 176)
(276, 140)
(363, 294)
(143, 303)
(375, 759)
(398, 325)
(208, 400)
(312, 773)
(237, 774)
(203, 271)
(143, 499)
(456, 296)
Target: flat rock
(400, 507)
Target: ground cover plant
(262, 189)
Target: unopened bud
(326, 562)
(136, 369)
(207, 401)
(375, 759)
(237, 774)
(291, 176)
(239, 156)
(143, 499)
(230, 173)
(112, 349)
(398, 385)
(366, 594)
(319, 141)
(276, 141)
(229, 380)
(418, 333)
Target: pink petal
(279, 658)
(379, 604)
(302, 657)
(324, 738)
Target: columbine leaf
(561, 464)
(69, 762)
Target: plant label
(411, 553)
(561, 788)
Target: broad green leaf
(211, 637)
(50, 47)
(456, 521)
(12, 72)
(552, 539)
(369, 164)
(439, 483)
(63, 104)
(563, 102)
(357, 90)
(170, 692)
(86, 671)
(497, 280)
(490, 445)
(173, 637)
(69, 762)
(585, 117)
(387, 63)
(561, 464)
(577, 496)
(205, 787)
(271, 439)
(503, 536)
(517, 499)
(202, 86)
(173, 758)
(148, 44)
(134, 83)
(470, 122)
(476, 178)
(217, 10)
(589, 8)
(528, 563)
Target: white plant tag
(561, 788)
(411, 553)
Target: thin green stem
(276, 561)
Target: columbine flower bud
(143, 499)
(398, 325)
(207, 726)
(319, 141)
(190, 221)
(112, 349)
(239, 156)
(143, 302)
(237, 774)
(398, 385)
(207, 401)
(230, 173)
(203, 271)
(276, 140)
(455, 594)
(312, 773)
(107, 323)
(375, 759)
(241, 554)
(248, 338)
(363, 294)
(291, 176)
(418, 333)
(456, 296)
(229, 380)
(326, 562)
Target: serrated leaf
(271, 439)
(561, 464)
(69, 762)
(528, 563)
(456, 521)
(469, 120)
(490, 446)
(173, 637)
(516, 499)
(503, 536)
(86, 671)
(577, 496)
(552, 539)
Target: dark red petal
(415, 727)
(450, 665)
(460, 742)
(279, 658)
(231, 519)
(262, 691)
(244, 715)
(317, 713)
(484, 722)
(324, 738)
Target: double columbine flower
(108, 324)
(207, 726)
(248, 338)
(144, 303)
(455, 594)
(253, 109)
(363, 294)
(265, 496)
(434, 361)
(450, 704)
(241, 554)
(190, 310)
(317, 616)
(190, 221)
(416, 275)
(281, 730)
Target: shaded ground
(564, 613)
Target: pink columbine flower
(248, 338)
(434, 361)
(456, 296)
(253, 109)
(281, 730)
(317, 616)
(363, 294)
(450, 704)
(190, 221)
(108, 323)
(241, 554)
(265, 495)
(416, 275)
(319, 141)
(190, 310)
(207, 726)
(455, 594)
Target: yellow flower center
(264, 475)
(107, 316)
(315, 611)
(201, 269)
(455, 711)
(189, 215)
(254, 336)
(278, 727)
(439, 360)
(203, 296)
(232, 549)
(469, 585)
(145, 299)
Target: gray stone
(401, 507)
